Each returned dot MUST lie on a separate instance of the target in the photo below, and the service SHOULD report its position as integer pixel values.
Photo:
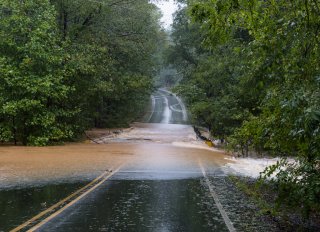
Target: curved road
(167, 108)
(166, 189)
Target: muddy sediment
(151, 153)
(147, 146)
(164, 147)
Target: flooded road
(154, 176)
(142, 205)
(167, 108)
(19, 205)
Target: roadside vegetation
(265, 196)
(251, 75)
(66, 66)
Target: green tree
(32, 84)
(281, 59)
(111, 46)
(71, 65)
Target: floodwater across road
(153, 177)
(167, 108)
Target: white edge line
(153, 103)
(223, 213)
(175, 110)
(167, 113)
(183, 107)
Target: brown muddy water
(160, 186)
(155, 147)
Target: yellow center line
(74, 201)
(53, 207)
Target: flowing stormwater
(161, 187)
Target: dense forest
(251, 74)
(67, 65)
(249, 71)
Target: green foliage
(297, 183)
(69, 65)
(111, 48)
(31, 74)
(257, 75)
(185, 51)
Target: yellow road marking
(215, 197)
(74, 201)
(53, 207)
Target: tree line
(67, 65)
(251, 74)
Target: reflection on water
(146, 147)
(153, 132)
(19, 205)
(137, 205)
(158, 189)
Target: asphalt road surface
(167, 108)
(149, 197)
(157, 180)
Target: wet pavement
(160, 185)
(19, 205)
(142, 205)
(167, 108)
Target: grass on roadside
(264, 195)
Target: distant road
(167, 108)
(152, 184)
